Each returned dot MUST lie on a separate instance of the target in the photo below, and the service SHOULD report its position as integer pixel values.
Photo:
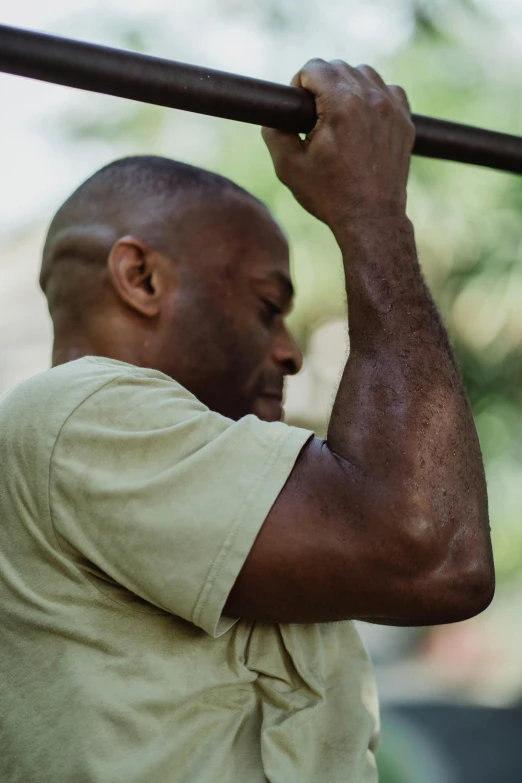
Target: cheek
(243, 345)
(245, 352)
(229, 344)
(238, 333)
(225, 346)
(255, 340)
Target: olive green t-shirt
(127, 509)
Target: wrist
(380, 265)
(356, 231)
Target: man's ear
(138, 275)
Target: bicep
(312, 560)
(340, 543)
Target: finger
(363, 75)
(348, 71)
(398, 93)
(281, 144)
(283, 148)
(371, 74)
(316, 76)
(296, 80)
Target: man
(179, 569)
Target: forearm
(398, 487)
(401, 416)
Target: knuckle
(337, 74)
(339, 65)
(353, 100)
(398, 94)
(370, 73)
(382, 105)
(318, 76)
(315, 63)
(338, 89)
(344, 102)
(396, 90)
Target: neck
(68, 350)
(139, 351)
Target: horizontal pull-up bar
(205, 91)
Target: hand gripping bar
(176, 85)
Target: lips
(278, 395)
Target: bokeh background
(451, 696)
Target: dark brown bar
(206, 91)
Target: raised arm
(387, 519)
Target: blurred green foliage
(467, 220)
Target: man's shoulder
(46, 400)
(61, 386)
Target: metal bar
(205, 91)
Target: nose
(287, 353)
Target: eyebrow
(283, 281)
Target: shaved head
(165, 265)
(163, 202)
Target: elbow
(470, 587)
(455, 581)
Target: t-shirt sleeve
(164, 496)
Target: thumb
(283, 147)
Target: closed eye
(272, 308)
(270, 312)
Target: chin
(268, 408)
